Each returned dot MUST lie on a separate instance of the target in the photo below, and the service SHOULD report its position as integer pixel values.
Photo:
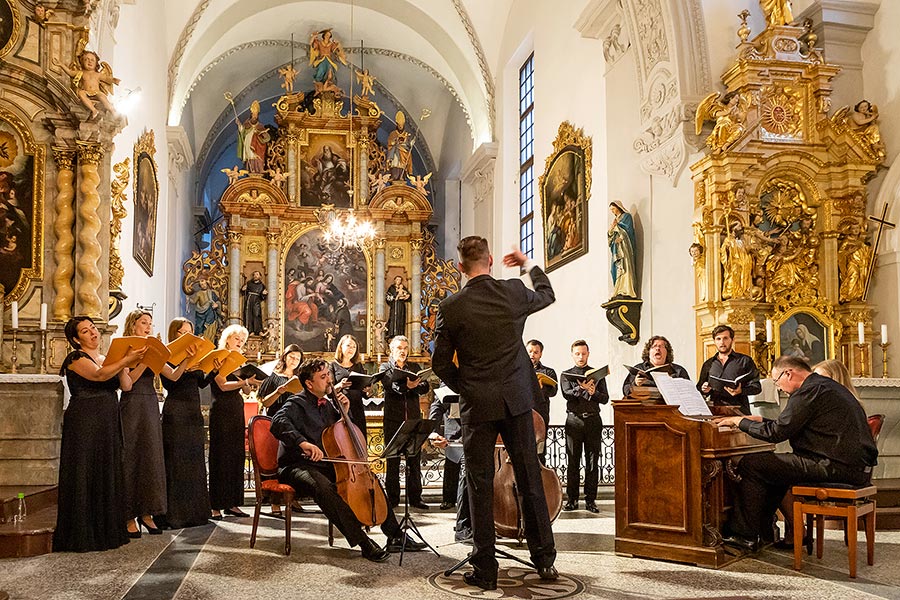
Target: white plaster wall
(144, 65)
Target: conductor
(483, 325)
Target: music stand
(407, 443)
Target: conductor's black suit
(483, 324)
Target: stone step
(31, 538)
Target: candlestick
(884, 359)
(768, 330)
(15, 314)
(43, 316)
(44, 350)
(861, 330)
(884, 338)
(863, 361)
(752, 331)
(14, 359)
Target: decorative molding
(178, 53)
(118, 214)
(482, 63)
(180, 155)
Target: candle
(861, 329)
(884, 334)
(258, 356)
(752, 331)
(768, 330)
(15, 314)
(44, 316)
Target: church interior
(306, 168)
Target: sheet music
(681, 393)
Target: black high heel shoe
(150, 530)
(135, 535)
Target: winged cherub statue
(730, 118)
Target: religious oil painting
(325, 293)
(146, 200)
(804, 336)
(21, 206)
(10, 26)
(565, 188)
(325, 165)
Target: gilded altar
(780, 229)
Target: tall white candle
(15, 314)
(861, 329)
(768, 330)
(884, 338)
(752, 331)
(43, 316)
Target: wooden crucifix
(882, 224)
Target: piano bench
(834, 500)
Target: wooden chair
(835, 500)
(264, 456)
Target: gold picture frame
(565, 188)
(807, 333)
(10, 27)
(146, 201)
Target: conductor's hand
(514, 259)
(439, 442)
(312, 452)
(734, 391)
(411, 383)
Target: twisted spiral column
(89, 249)
(62, 229)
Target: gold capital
(89, 153)
(64, 158)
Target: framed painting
(565, 188)
(10, 26)
(325, 167)
(325, 293)
(146, 201)
(21, 206)
(806, 334)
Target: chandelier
(342, 228)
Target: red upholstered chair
(264, 456)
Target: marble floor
(215, 562)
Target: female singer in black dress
(226, 433)
(347, 360)
(145, 468)
(272, 389)
(183, 442)
(91, 506)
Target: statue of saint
(737, 263)
(397, 297)
(398, 149)
(324, 50)
(853, 263)
(696, 252)
(777, 12)
(622, 248)
(206, 310)
(254, 292)
(252, 140)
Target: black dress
(226, 448)
(91, 506)
(145, 469)
(183, 444)
(272, 383)
(356, 397)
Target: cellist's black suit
(483, 324)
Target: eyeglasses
(780, 375)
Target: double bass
(356, 483)
(508, 517)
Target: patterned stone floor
(215, 562)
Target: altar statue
(206, 310)
(398, 149)
(737, 263)
(622, 248)
(254, 292)
(696, 252)
(366, 82)
(93, 80)
(252, 140)
(324, 50)
(862, 119)
(397, 298)
(777, 12)
(854, 255)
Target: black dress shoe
(374, 552)
(235, 512)
(478, 581)
(447, 505)
(395, 544)
(134, 534)
(570, 506)
(150, 530)
(592, 507)
(215, 517)
(420, 505)
(548, 573)
(742, 544)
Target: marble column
(234, 276)
(415, 289)
(90, 278)
(62, 229)
(273, 245)
(293, 180)
(380, 244)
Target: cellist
(298, 425)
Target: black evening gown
(183, 444)
(356, 397)
(91, 506)
(271, 383)
(226, 448)
(145, 469)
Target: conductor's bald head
(474, 255)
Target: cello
(508, 517)
(357, 485)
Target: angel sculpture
(379, 182)
(420, 182)
(278, 177)
(862, 119)
(729, 116)
(92, 80)
(41, 14)
(289, 73)
(366, 82)
(323, 52)
(234, 174)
